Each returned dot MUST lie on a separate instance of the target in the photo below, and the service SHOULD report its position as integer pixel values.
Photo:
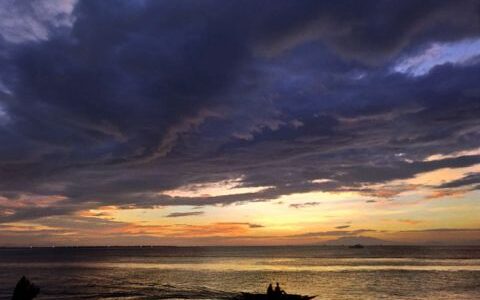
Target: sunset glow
(212, 125)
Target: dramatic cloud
(438, 54)
(146, 104)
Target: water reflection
(158, 274)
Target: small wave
(160, 292)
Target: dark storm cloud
(29, 213)
(114, 102)
(371, 31)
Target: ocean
(330, 272)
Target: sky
(239, 122)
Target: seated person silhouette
(270, 290)
(25, 290)
(278, 292)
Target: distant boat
(251, 296)
(356, 246)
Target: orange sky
(402, 211)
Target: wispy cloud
(437, 54)
(305, 204)
(184, 214)
(333, 233)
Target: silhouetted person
(278, 290)
(25, 290)
(270, 290)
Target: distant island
(362, 240)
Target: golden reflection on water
(187, 275)
(292, 265)
(338, 268)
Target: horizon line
(235, 246)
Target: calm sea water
(222, 272)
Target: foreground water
(222, 272)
